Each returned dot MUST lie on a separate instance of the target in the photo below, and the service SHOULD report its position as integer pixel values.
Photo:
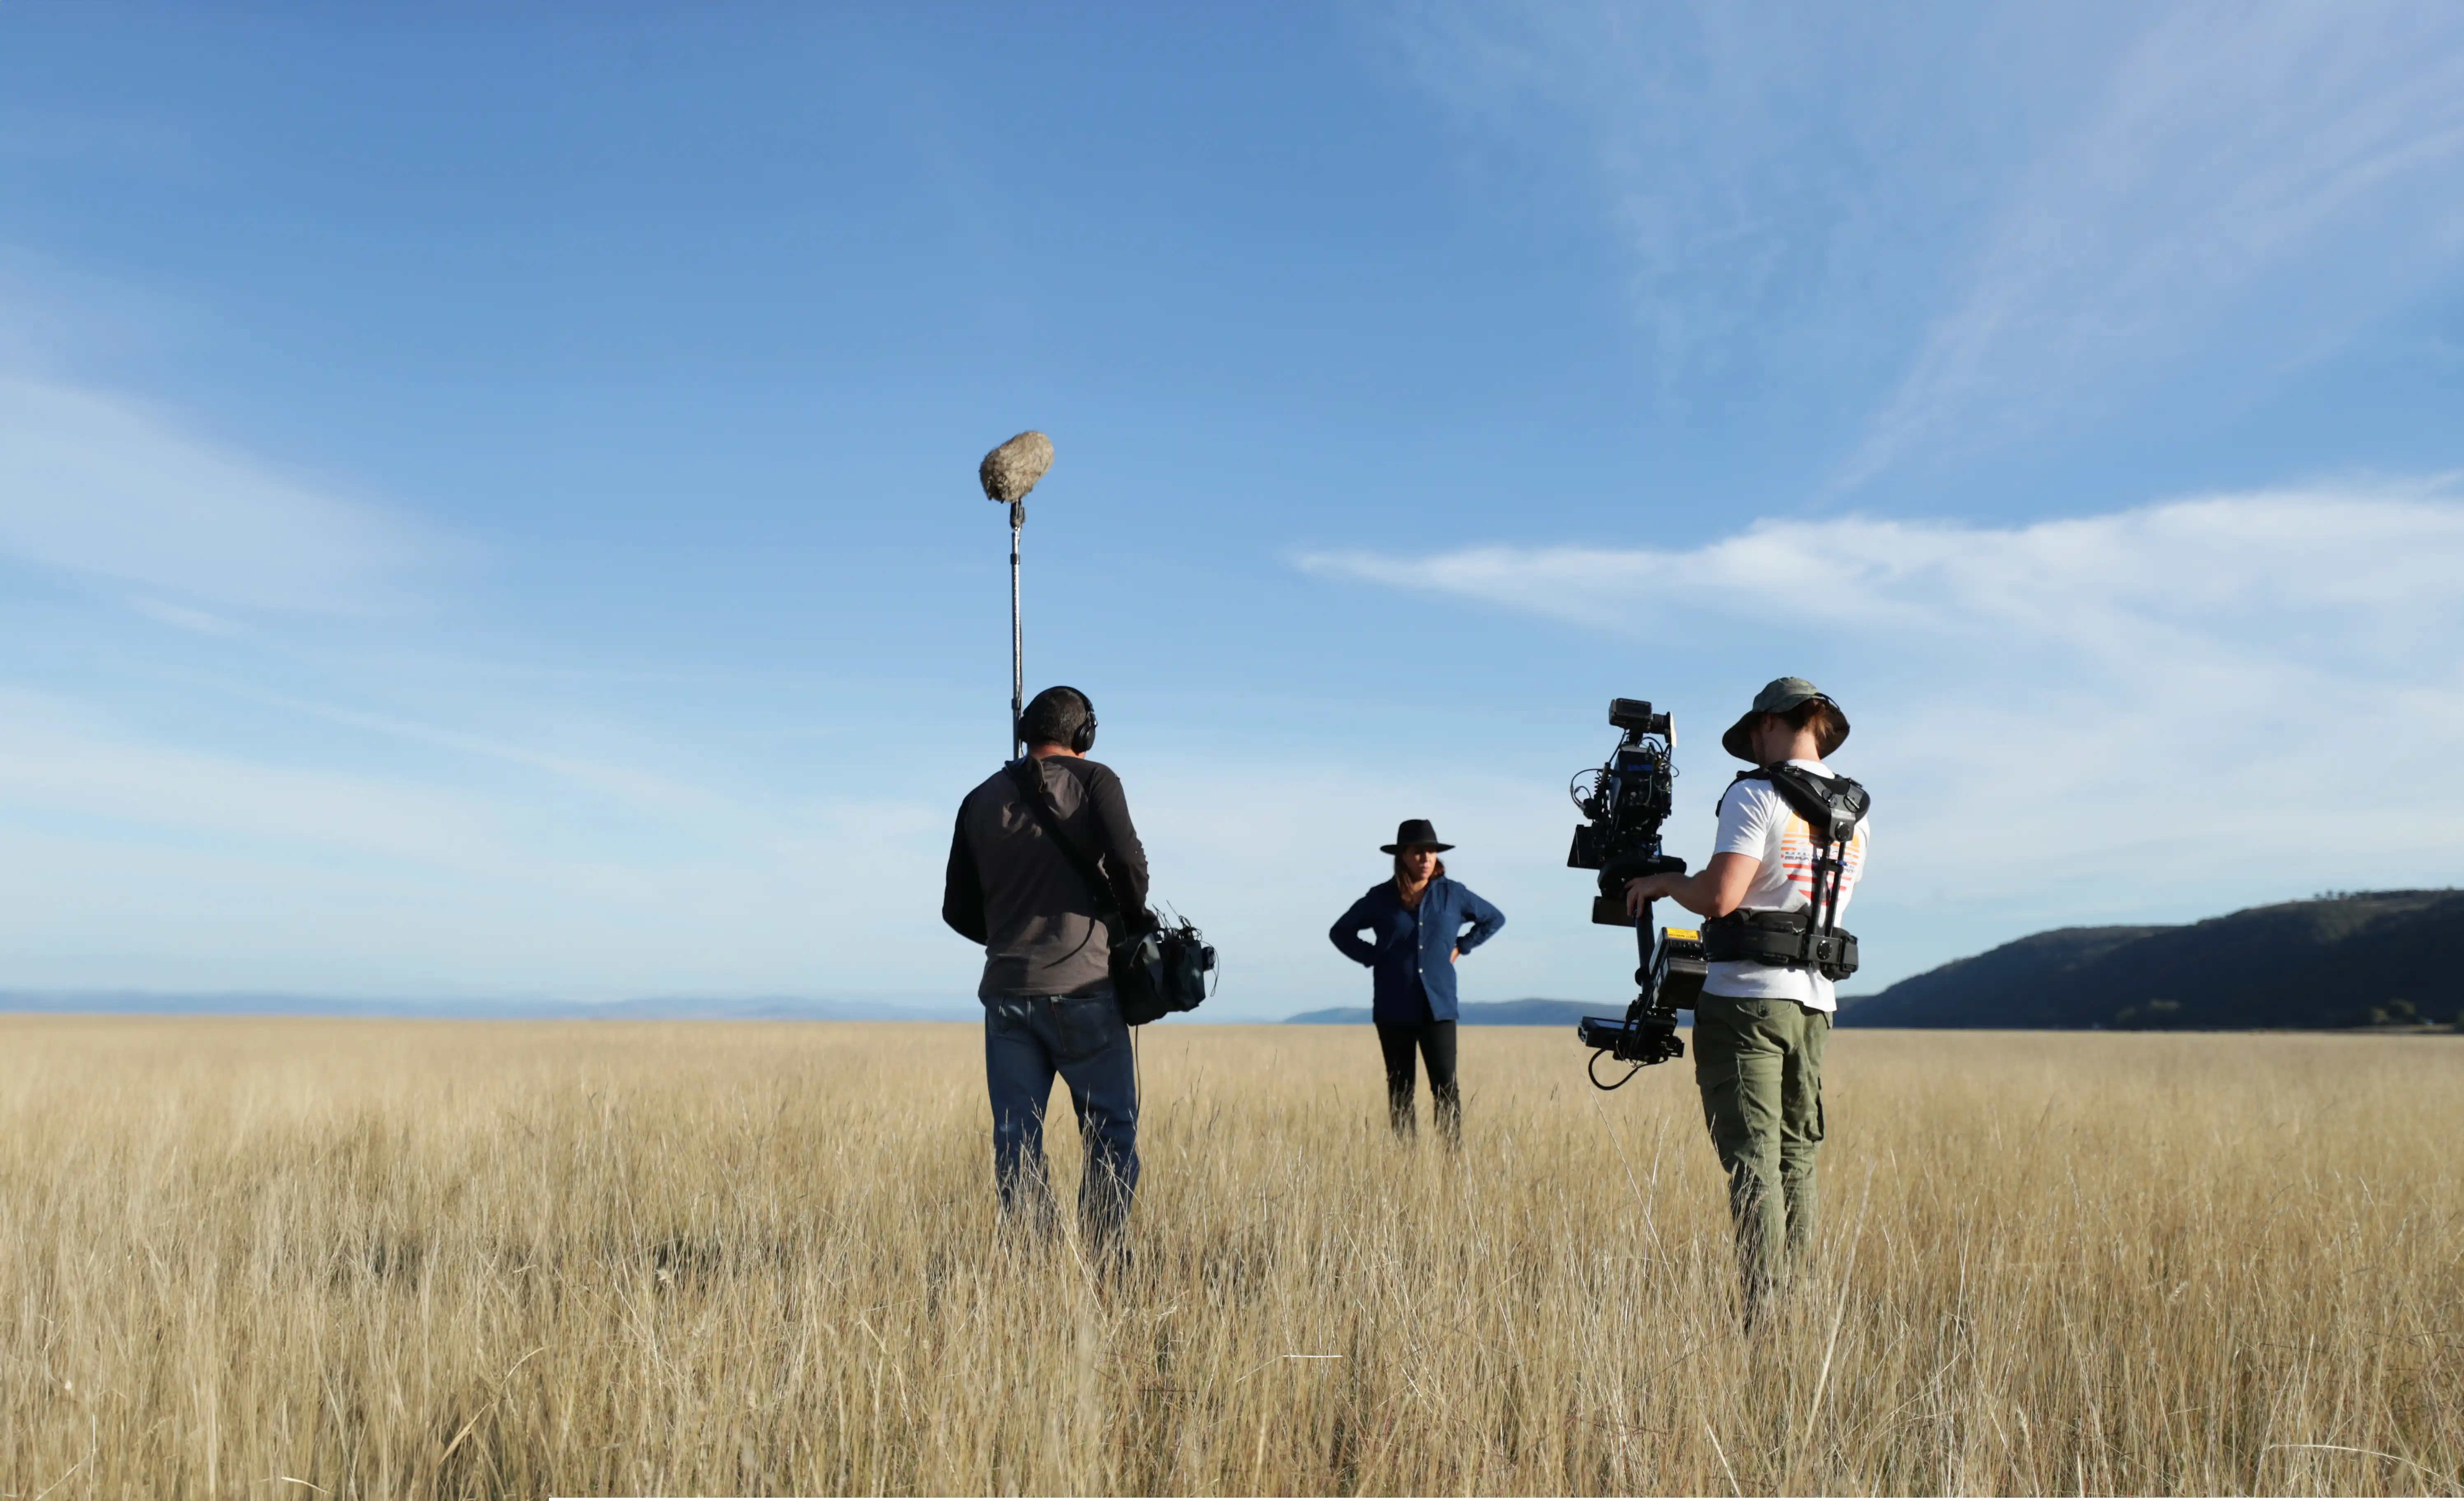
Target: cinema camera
(1623, 805)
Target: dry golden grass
(477, 1259)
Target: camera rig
(1624, 802)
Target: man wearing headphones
(1047, 992)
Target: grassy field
(408, 1259)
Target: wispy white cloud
(2012, 222)
(2254, 182)
(146, 858)
(296, 819)
(187, 617)
(2365, 573)
(100, 485)
(58, 762)
(2171, 709)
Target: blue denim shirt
(1409, 946)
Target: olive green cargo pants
(1759, 1066)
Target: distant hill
(1490, 1013)
(2368, 958)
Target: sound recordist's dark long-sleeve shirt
(1011, 889)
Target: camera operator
(1759, 1027)
(1047, 991)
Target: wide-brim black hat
(1412, 831)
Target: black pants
(1435, 1040)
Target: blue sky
(487, 499)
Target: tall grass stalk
(401, 1259)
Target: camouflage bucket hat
(1778, 696)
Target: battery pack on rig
(1647, 1033)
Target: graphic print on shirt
(1796, 853)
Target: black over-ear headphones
(1085, 739)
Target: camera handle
(1650, 1024)
(1648, 1032)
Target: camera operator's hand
(1645, 890)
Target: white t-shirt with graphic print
(1756, 822)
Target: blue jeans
(1028, 1038)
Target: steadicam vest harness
(1810, 937)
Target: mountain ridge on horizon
(2339, 962)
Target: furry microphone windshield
(1010, 471)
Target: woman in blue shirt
(1417, 930)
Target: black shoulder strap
(1830, 805)
(1028, 773)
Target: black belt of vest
(1781, 938)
